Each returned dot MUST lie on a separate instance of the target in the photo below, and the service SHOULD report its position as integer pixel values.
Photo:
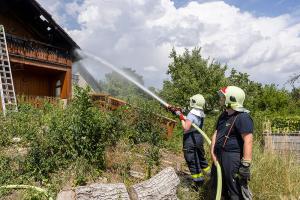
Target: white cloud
(151, 69)
(140, 33)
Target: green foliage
(274, 176)
(146, 124)
(192, 74)
(285, 124)
(273, 99)
(77, 136)
(152, 158)
(118, 86)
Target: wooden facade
(40, 50)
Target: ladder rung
(7, 78)
(9, 98)
(2, 71)
(6, 84)
(5, 90)
(5, 72)
(11, 104)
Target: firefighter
(193, 149)
(232, 145)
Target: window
(58, 88)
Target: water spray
(107, 64)
(174, 110)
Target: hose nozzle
(174, 109)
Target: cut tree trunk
(102, 191)
(162, 186)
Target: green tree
(191, 74)
(273, 99)
(118, 86)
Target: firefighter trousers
(194, 155)
(230, 163)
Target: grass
(273, 176)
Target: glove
(244, 170)
(181, 116)
(174, 109)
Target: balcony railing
(106, 101)
(37, 51)
(37, 101)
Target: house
(83, 78)
(40, 51)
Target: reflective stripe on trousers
(197, 177)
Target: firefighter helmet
(234, 98)
(197, 101)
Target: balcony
(37, 51)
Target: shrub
(285, 124)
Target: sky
(258, 37)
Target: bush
(285, 124)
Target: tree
(192, 74)
(273, 99)
(118, 86)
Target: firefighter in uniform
(193, 149)
(232, 146)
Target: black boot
(197, 185)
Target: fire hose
(27, 187)
(216, 163)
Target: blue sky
(258, 37)
(258, 7)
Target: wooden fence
(283, 143)
(104, 101)
(37, 101)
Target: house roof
(40, 22)
(87, 77)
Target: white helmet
(197, 101)
(234, 98)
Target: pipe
(27, 187)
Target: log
(162, 186)
(99, 191)
(66, 195)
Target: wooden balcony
(37, 52)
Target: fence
(105, 101)
(284, 143)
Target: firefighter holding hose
(193, 149)
(232, 145)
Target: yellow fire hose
(27, 187)
(216, 163)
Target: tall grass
(274, 176)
